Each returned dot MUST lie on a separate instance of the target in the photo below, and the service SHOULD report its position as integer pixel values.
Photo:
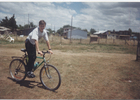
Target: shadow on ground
(28, 83)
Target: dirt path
(84, 76)
(16, 52)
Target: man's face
(41, 27)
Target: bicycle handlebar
(46, 52)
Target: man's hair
(42, 22)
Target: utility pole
(71, 28)
(54, 28)
(51, 26)
(24, 19)
(28, 21)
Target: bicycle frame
(44, 61)
(46, 77)
(25, 60)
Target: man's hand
(39, 52)
(50, 51)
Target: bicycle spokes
(50, 77)
(17, 70)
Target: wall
(77, 34)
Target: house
(4, 29)
(101, 34)
(25, 32)
(123, 37)
(93, 38)
(77, 34)
(114, 34)
(66, 30)
(111, 36)
(123, 34)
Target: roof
(100, 32)
(124, 35)
(4, 28)
(93, 35)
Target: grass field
(88, 71)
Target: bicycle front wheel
(17, 70)
(50, 77)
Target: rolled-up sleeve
(34, 35)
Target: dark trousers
(31, 50)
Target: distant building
(25, 32)
(4, 29)
(93, 38)
(76, 34)
(99, 32)
(111, 36)
(123, 37)
(114, 34)
(65, 32)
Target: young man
(32, 46)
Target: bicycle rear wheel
(50, 77)
(17, 70)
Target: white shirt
(36, 35)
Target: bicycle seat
(23, 50)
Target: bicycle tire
(17, 70)
(50, 71)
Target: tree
(85, 30)
(50, 30)
(130, 31)
(92, 31)
(10, 23)
(114, 31)
(4, 22)
(79, 28)
(20, 27)
(26, 26)
(60, 31)
(66, 26)
(32, 25)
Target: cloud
(52, 14)
(97, 15)
(113, 15)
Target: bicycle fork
(47, 71)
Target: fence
(61, 40)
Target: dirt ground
(84, 76)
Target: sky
(85, 15)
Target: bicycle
(49, 74)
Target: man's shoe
(30, 74)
